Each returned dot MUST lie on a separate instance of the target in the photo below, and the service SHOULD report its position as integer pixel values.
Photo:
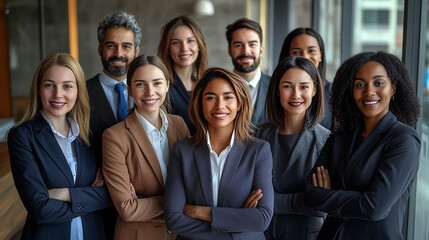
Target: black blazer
(293, 219)
(102, 116)
(38, 164)
(371, 184)
(259, 115)
(179, 99)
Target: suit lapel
(136, 130)
(48, 142)
(260, 101)
(101, 106)
(302, 143)
(202, 159)
(368, 145)
(231, 165)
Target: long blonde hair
(80, 111)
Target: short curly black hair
(405, 104)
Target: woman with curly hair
(183, 50)
(372, 155)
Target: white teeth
(295, 104)
(150, 102)
(372, 102)
(219, 115)
(58, 104)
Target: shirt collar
(231, 142)
(73, 131)
(255, 80)
(110, 82)
(148, 127)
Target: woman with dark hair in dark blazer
(294, 108)
(54, 170)
(219, 181)
(308, 43)
(373, 154)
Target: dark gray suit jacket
(370, 183)
(259, 116)
(102, 116)
(293, 219)
(247, 167)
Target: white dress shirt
(217, 164)
(66, 145)
(158, 139)
(108, 85)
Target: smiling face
(117, 52)
(148, 88)
(296, 90)
(184, 48)
(58, 92)
(372, 91)
(305, 45)
(245, 50)
(220, 105)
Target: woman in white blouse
(136, 152)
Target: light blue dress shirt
(66, 145)
(108, 85)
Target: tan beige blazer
(128, 156)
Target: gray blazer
(293, 219)
(259, 116)
(370, 183)
(248, 167)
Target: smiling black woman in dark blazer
(364, 173)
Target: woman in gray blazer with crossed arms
(372, 155)
(219, 181)
(294, 109)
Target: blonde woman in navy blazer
(54, 170)
(364, 173)
(295, 106)
(235, 200)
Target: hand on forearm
(321, 178)
(199, 212)
(252, 200)
(62, 194)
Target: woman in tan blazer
(136, 152)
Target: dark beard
(244, 69)
(115, 71)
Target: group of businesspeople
(163, 147)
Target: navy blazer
(259, 115)
(293, 219)
(370, 183)
(179, 99)
(248, 167)
(102, 116)
(38, 164)
(328, 120)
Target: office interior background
(33, 29)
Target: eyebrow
(180, 39)
(291, 82)
(376, 76)
(112, 42)
(212, 93)
(153, 80)
(251, 41)
(67, 81)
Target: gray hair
(117, 20)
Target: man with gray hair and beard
(118, 38)
(245, 48)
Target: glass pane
(421, 221)
(330, 30)
(299, 14)
(378, 26)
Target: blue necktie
(122, 103)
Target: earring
(393, 97)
